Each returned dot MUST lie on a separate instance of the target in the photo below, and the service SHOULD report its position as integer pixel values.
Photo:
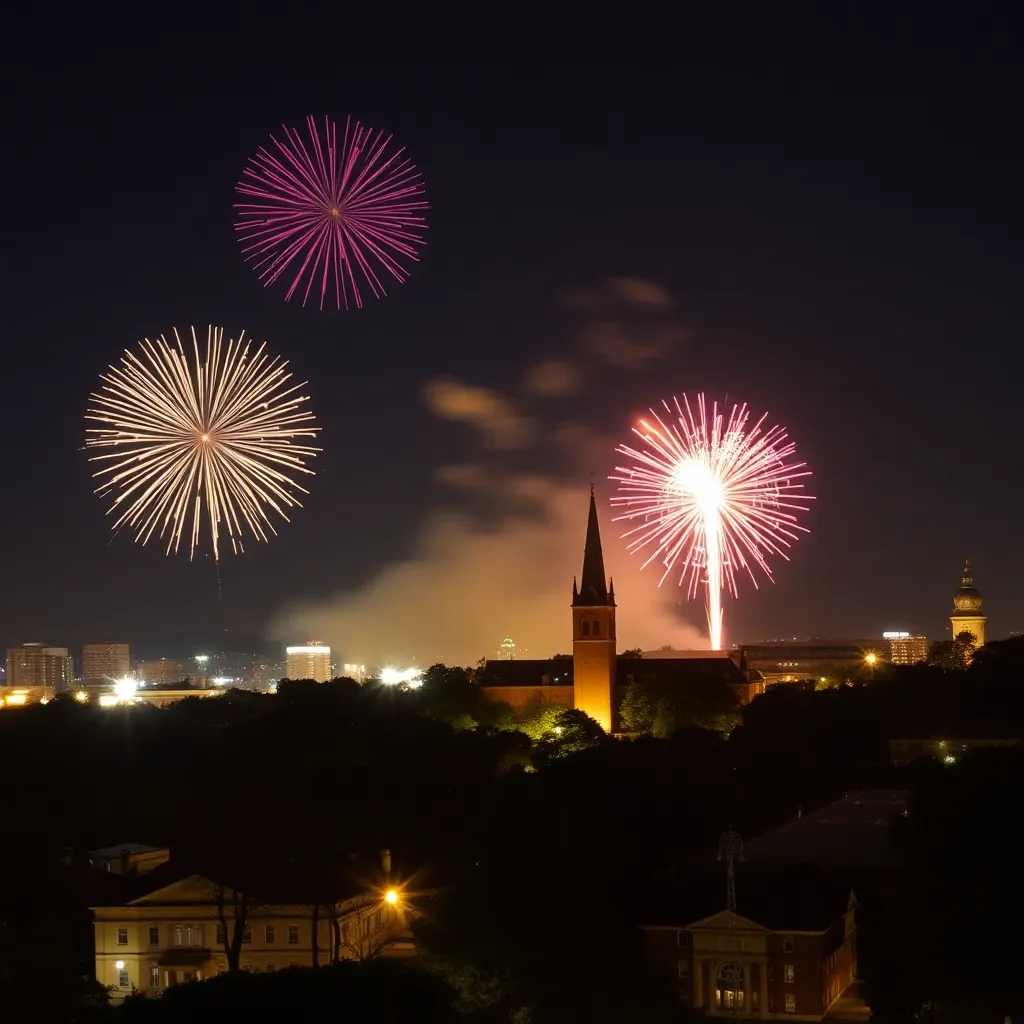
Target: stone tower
(968, 615)
(593, 631)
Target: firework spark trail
(713, 496)
(323, 213)
(208, 439)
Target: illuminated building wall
(38, 665)
(160, 672)
(593, 631)
(905, 649)
(102, 663)
(313, 661)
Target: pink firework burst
(711, 495)
(335, 218)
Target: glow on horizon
(713, 496)
(412, 677)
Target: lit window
(787, 943)
(684, 968)
(293, 935)
(154, 975)
(271, 934)
(789, 974)
(122, 978)
(221, 934)
(154, 935)
(193, 935)
(177, 934)
(790, 1003)
(122, 936)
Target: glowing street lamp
(391, 897)
(125, 687)
(870, 659)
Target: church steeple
(593, 590)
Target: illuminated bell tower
(593, 631)
(968, 616)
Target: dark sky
(835, 206)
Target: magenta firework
(330, 218)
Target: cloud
(631, 346)
(493, 415)
(556, 378)
(619, 293)
(470, 584)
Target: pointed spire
(593, 590)
(575, 592)
(966, 580)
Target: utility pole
(730, 850)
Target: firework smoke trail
(331, 216)
(712, 496)
(190, 439)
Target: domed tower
(968, 616)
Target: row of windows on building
(157, 974)
(192, 934)
(788, 972)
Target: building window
(293, 935)
(789, 974)
(771, 1002)
(222, 967)
(270, 934)
(271, 967)
(247, 934)
(730, 990)
(684, 969)
(787, 944)
(586, 628)
(682, 938)
(177, 934)
(790, 1003)
(122, 936)
(154, 935)
(221, 935)
(771, 972)
(154, 975)
(193, 935)
(122, 978)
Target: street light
(391, 897)
(870, 658)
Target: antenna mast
(730, 850)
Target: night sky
(834, 208)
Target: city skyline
(745, 252)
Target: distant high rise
(310, 662)
(103, 663)
(905, 649)
(160, 672)
(38, 665)
(968, 615)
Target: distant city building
(508, 649)
(905, 649)
(32, 665)
(103, 663)
(968, 615)
(160, 672)
(794, 661)
(356, 672)
(313, 661)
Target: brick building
(792, 947)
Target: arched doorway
(730, 989)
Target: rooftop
(853, 832)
